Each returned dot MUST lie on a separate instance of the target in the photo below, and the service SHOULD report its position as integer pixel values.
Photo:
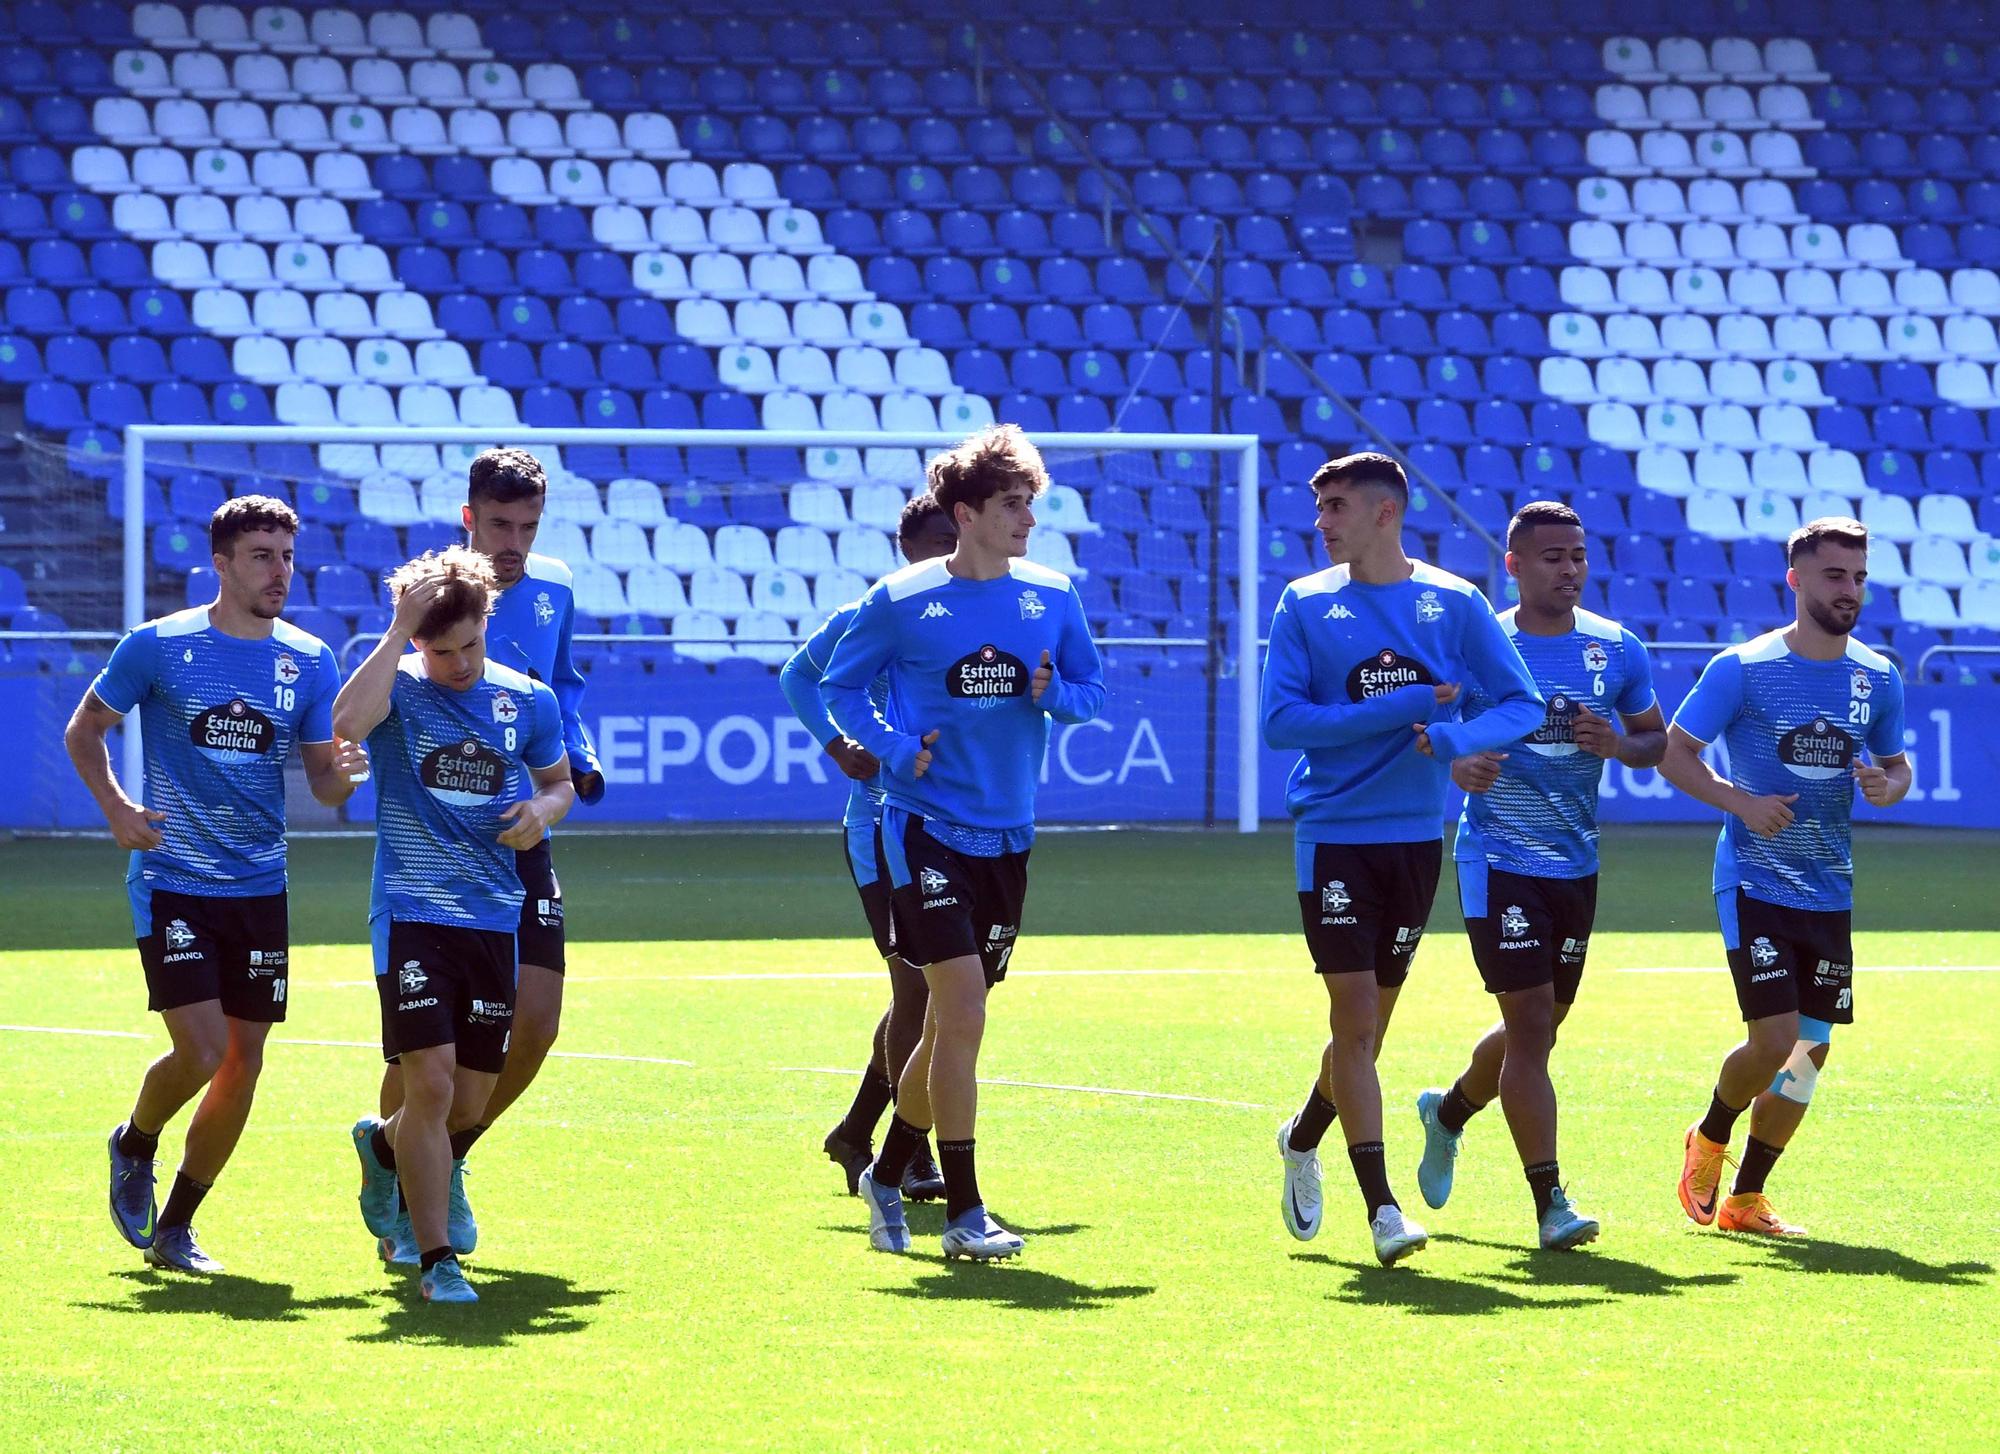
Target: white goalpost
(1243, 523)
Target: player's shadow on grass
(1011, 1285)
(511, 1305)
(1372, 1285)
(1816, 1254)
(241, 1299)
(926, 1219)
(1585, 1268)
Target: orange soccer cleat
(1751, 1212)
(1701, 1176)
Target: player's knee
(427, 1088)
(1770, 1042)
(1797, 1078)
(960, 1018)
(241, 1066)
(199, 1060)
(535, 1033)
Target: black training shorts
(946, 904)
(1786, 960)
(1525, 931)
(205, 947)
(441, 984)
(539, 940)
(1365, 904)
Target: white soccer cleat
(1303, 1201)
(977, 1236)
(1396, 1236)
(887, 1231)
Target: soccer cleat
(1396, 1236)
(1752, 1212)
(974, 1235)
(887, 1231)
(1440, 1157)
(848, 1157)
(133, 1210)
(1303, 1201)
(378, 1182)
(399, 1246)
(922, 1182)
(1701, 1176)
(1564, 1227)
(175, 1248)
(460, 1229)
(445, 1283)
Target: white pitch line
(1865, 968)
(1092, 1090)
(65, 1030)
(843, 974)
(334, 1044)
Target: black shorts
(441, 984)
(1525, 931)
(1786, 960)
(864, 866)
(539, 940)
(946, 904)
(202, 947)
(1365, 904)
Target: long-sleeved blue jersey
(959, 655)
(1349, 673)
(800, 681)
(529, 631)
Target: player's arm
(555, 790)
(1069, 685)
(363, 702)
(1886, 781)
(863, 653)
(799, 679)
(334, 766)
(1713, 704)
(569, 684)
(1293, 720)
(126, 678)
(1515, 705)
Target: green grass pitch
(667, 1262)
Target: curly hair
(470, 587)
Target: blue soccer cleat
(175, 1248)
(1564, 1227)
(445, 1283)
(973, 1234)
(1440, 1160)
(887, 1231)
(460, 1229)
(378, 1182)
(133, 1210)
(399, 1247)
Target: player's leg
(199, 1036)
(901, 1033)
(850, 1144)
(212, 1134)
(419, 1137)
(542, 952)
(390, 1097)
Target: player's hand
(1424, 738)
(923, 764)
(132, 826)
(531, 821)
(1039, 682)
(853, 759)
(350, 761)
(1769, 816)
(412, 604)
(587, 784)
(1446, 693)
(1874, 783)
(1594, 734)
(1478, 772)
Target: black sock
(1371, 1172)
(461, 1141)
(961, 1182)
(384, 1152)
(183, 1202)
(1309, 1127)
(1758, 1159)
(1456, 1108)
(1720, 1122)
(433, 1257)
(1542, 1181)
(899, 1144)
(136, 1143)
(871, 1099)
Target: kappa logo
(1595, 658)
(1429, 607)
(935, 610)
(1338, 612)
(1513, 922)
(413, 977)
(545, 609)
(179, 936)
(1334, 898)
(1763, 952)
(286, 669)
(1033, 607)
(1864, 688)
(933, 882)
(505, 709)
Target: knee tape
(1796, 1080)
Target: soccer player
(924, 533)
(458, 740)
(1798, 709)
(1527, 854)
(1363, 674)
(222, 691)
(982, 648)
(529, 631)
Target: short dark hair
(1367, 468)
(469, 592)
(994, 460)
(916, 515)
(1539, 512)
(505, 477)
(244, 514)
(1827, 530)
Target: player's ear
(1513, 566)
(465, 516)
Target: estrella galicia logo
(1033, 607)
(233, 732)
(1556, 737)
(1595, 658)
(1385, 672)
(987, 675)
(465, 774)
(1817, 750)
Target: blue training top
(800, 680)
(529, 631)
